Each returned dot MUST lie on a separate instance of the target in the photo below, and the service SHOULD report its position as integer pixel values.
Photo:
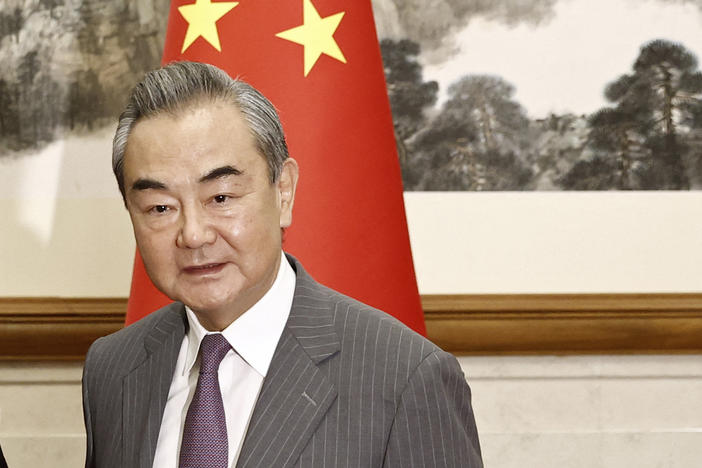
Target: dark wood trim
(55, 328)
(63, 328)
(565, 323)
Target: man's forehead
(203, 142)
(205, 124)
(200, 110)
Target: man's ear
(287, 183)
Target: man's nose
(196, 229)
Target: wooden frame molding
(565, 323)
(62, 329)
(55, 329)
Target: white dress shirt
(254, 337)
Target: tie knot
(212, 350)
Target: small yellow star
(201, 17)
(316, 34)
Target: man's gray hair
(177, 86)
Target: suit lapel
(296, 393)
(145, 389)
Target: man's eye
(220, 198)
(159, 209)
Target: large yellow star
(316, 34)
(201, 17)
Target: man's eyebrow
(146, 184)
(219, 172)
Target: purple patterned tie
(205, 442)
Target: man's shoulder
(128, 339)
(361, 326)
(376, 344)
(329, 323)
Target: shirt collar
(255, 334)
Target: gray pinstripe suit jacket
(349, 386)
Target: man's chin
(214, 319)
(221, 309)
(207, 307)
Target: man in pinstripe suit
(314, 378)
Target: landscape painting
(68, 65)
(487, 95)
(545, 94)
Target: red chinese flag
(319, 62)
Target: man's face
(206, 217)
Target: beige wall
(588, 411)
(556, 242)
(65, 231)
(41, 422)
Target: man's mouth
(205, 268)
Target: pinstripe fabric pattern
(125, 385)
(348, 386)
